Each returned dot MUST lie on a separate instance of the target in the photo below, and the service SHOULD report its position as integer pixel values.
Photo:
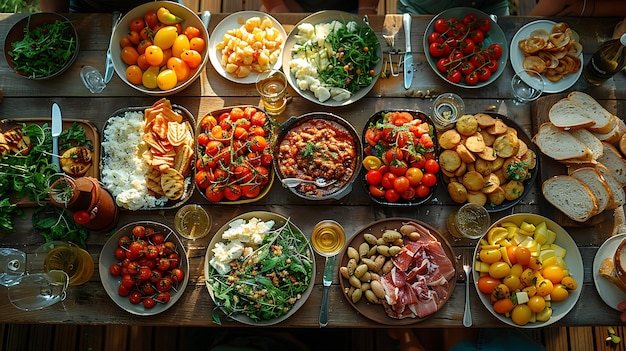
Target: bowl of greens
(345, 75)
(41, 45)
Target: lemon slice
(497, 234)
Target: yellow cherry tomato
(559, 293)
(149, 78)
(513, 282)
(166, 80)
(165, 37)
(490, 256)
(553, 273)
(181, 44)
(517, 270)
(134, 74)
(504, 305)
(521, 314)
(154, 55)
(371, 162)
(569, 283)
(179, 67)
(536, 303)
(544, 287)
(499, 269)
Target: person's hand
(622, 307)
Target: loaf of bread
(560, 144)
(571, 196)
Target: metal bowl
(495, 35)
(327, 17)
(190, 18)
(31, 22)
(343, 185)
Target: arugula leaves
(29, 176)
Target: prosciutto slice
(419, 282)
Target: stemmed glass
(39, 290)
(527, 86)
(12, 265)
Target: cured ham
(418, 284)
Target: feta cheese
(252, 231)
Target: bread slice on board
(596, 183)
(567, 114)
(619, 196)
(614, 135)
(614, 161)
(591, 140)
(603, 119)
(570, 196)
(560, 144)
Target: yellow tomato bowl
(190, 18)
(572, 259)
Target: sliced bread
(619, 196)
(571, 196)
(591, 140)
(596, 183)
(614, 134)
(560, 144)
(567, 115)
(603, 121)
(614, 161)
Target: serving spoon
(319, 182)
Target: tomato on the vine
(442, 65)
(441, 25)
(494, 51)
(471, 78)
(484, 24)
(454, 76)
(437, 49)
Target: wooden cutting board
(549, 168)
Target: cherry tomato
(483, 24)
(431, 166)
(115, 269)
(137, 24)
(197, 44)
(398, 167)
(138, 231)
(467, 46)
(165, 37)
(123, 291)
(232, 192)
(150, 18)
(373, 177)
(388, 179)
(522, 255)
(82, 217)
(437, 49)
(454, 76)
(163, 297)
(414, 175)
(134, 74)
(435, 37)
(181, 44)
(492, 66)
(442, 64)
(392, 195)
(483, 74)
(494, 51)
(192, 32)
(166, 79)
(192, 58)
(129, 55)
(401, 184)
(441, 25)
(149, 302)
(472, 78)
(487, 284)
(504, 305)
(429, 179)
(476, 36)
(376, 190)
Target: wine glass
(527, 85)
(36, 291)
(12, 265)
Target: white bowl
(190, 18)
(572, 258)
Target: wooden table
(28, 99)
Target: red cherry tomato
(431, 166)
(388, 179)
(376, 191)
(373, 177)
(82, 217)
(429, 179)
(422, 190)
(392, 195)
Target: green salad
(44, 49)
(265, 282)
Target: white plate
(279, 220)
(517, 57)
(573, 259)
(610, 294)
(234, 21)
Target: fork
(467, 314)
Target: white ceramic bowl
(572, 258)
(190, 18)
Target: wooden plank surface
(27, 99)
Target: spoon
(319, 182)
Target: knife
(57, 127)
(108, 73)
(206, 18)
(408, 55)
(329, 268)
